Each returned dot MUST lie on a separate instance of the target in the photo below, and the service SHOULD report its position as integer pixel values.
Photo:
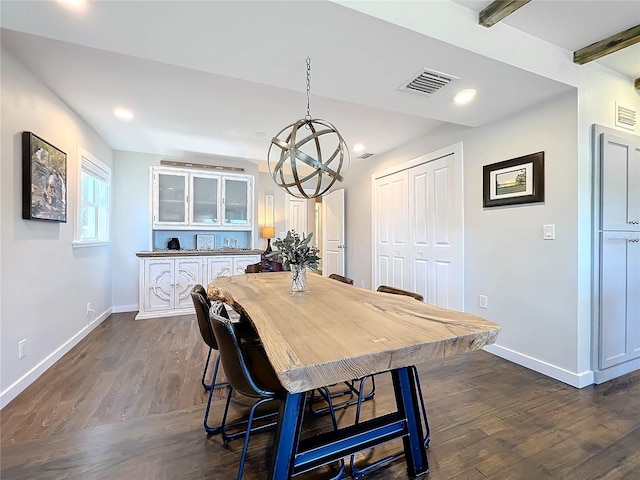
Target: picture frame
(205, 242)
(44, 180)
(514, 182)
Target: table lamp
(268, 233)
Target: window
(93, 217)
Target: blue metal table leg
(404, 384)
(287, 435)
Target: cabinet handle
(634, 240)
(634, 222)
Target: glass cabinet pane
(236, 202)
(172, 198)
(205, 200)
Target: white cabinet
(189, 199)
(619, 298)
(617, 255)
(165, 285)
(620, 183)
(227, 266)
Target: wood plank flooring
(126, 403)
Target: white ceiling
(222, 78)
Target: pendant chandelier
(308, 162)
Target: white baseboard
(125, 308)
(578, 380)
(13, 390)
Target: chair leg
(245, 446)
(216, 367)
(214, 430)
(206, 386)
(350, 390)
(334, 422)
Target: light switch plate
(549, 232)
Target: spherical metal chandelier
(299, 163)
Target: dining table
(331, 333)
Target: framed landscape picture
(44, 180)
(515, 181)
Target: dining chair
(253, 268)
(360, 472)
(202, 306)
(340, 278)
(251, 374)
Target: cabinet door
(619, 298)
(170, 198)
(620, 203)
(237, 202)
(188, 272)
(158, 285)
(205, 196)
(240, 263)
(219, 267)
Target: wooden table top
(334, 332)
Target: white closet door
(418, 227)
(435, 230)
(391, 212)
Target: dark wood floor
(126, 403)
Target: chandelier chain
(308, 115)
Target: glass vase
(298, 278)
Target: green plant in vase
(295, 254)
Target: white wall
(45, 283)
(131, 219)
(531, 283)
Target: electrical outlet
(483, 300)
(22, 348)
(89, 309)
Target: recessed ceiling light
(358, 147)
(75, 5)
(464, 96)
(123, 113)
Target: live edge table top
(335, 332)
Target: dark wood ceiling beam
(608, 45)
(496, 11)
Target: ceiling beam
(608, 45)
(497, 10)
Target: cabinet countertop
(198, 253)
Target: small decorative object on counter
(296, 255)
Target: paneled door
(391, 206)
(333, 246)
(418, 227)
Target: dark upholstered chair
(202, 306)
(253, 268)
(360, 472)
(250, 373)
(340, 278)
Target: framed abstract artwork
(44, 180)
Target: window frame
(101, 171)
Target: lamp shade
(268, 232)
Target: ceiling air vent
(366, 155)
(427, 82)
(626, 117)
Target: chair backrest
(202, 306)
(399, 291)
(340, 278)
(246, 366)
(253, 268)
(197, 288)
